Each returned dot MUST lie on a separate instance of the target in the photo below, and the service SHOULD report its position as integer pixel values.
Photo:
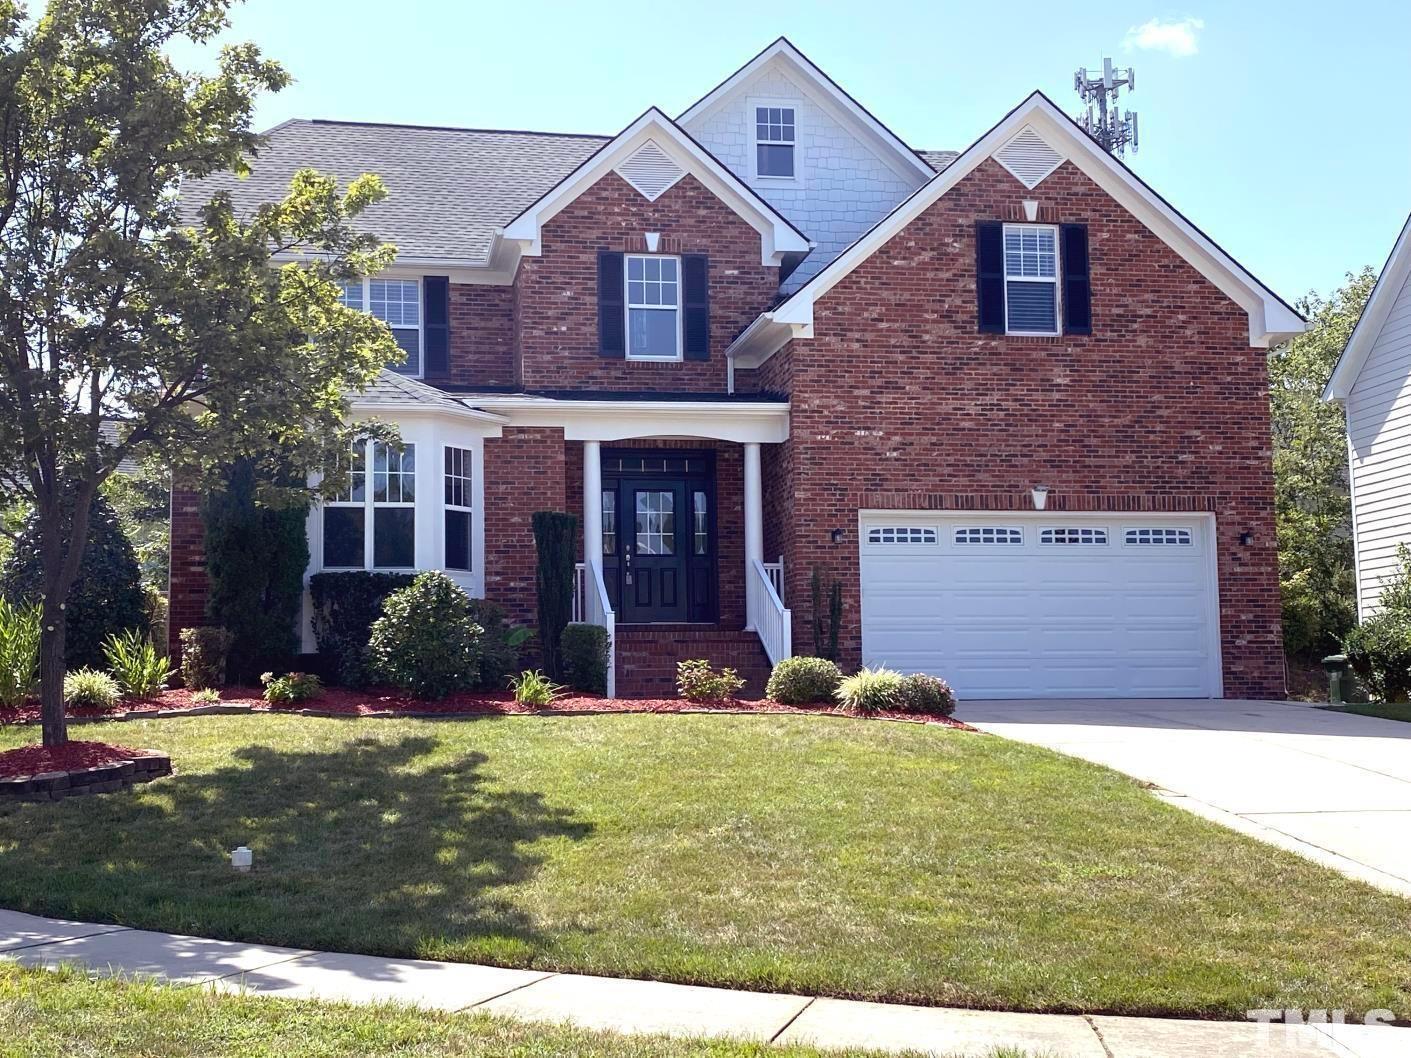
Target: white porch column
(754, 526)
(592, 504)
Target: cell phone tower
(1101, 121)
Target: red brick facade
(898, 402)
(187, 585)
(482, 336)
(524, 473)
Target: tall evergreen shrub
(555, 537)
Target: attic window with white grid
(1031, 279)
(774, 142)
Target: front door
(659, 536)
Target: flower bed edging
(104, 778)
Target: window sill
(654, 359)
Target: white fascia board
(824, 91)
(1374, 316)
(766, 422)
(1270, 320)
(459, 270)
(394, 413)
(777, 236)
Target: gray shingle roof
(392, 390)
(448, 189)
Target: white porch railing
(776, 576)
(578, 602)
(597, 610)
(767, 616)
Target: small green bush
(870, 691)
(696, 681)
(291, 687)
(203, 653)
(499, 644)
(19, 653)
(1379, 651)
(534, 688)
(799, 681)
(206, 696)
(91, 689)
(133, 660)
(425, 641)
(344, 607)
(584, 649)
(926, 695)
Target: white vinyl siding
(1379, 436)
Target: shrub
(584, 648)
(91, 689)
(825, 636)
(798, 681)
(1379, 651)
(696, 681)
(134, 662)
(926, 695)
(344, 607)
(499, 644)
(870, 691)
(291, 687)
(158, 617)
(19, 653)
(555, 536)
(255, 562)
(106, 598)
(203, 657)
(206, 696)
(534, 688)
(425, 641)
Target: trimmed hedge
(344, 607)
(203, 653)
(926, 695)
(425, 641)
(584, 649)
(555, 540)
(802, 681)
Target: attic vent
(650, 171)
(1028, 157)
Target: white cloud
(1175, 36)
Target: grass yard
(808, 854)
(59, 1015)
(1384, 710)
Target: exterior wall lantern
(1039, 493)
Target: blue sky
(1277, 127)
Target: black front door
(659, 535)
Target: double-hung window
(398, 303)
(372, 524)
(774, 142)
(1031, 279)
(459, 507)
(653, 307)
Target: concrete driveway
(1331, 786)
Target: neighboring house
(1372, 381)
(767, 337)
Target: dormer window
(774, 142)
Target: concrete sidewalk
(657, 1007)
(1334, 787)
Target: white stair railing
(776, 576)
(579, 606)
(768, 617)
(597, 610)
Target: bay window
(459, 508)
(373, 527)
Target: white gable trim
(826, 92)
(778, 237)
(1374, 316)
(1270, 319)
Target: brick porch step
(647, 657)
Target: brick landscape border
(104, 778)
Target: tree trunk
(51, 673)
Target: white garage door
(1043, 606)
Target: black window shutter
(1077, 282)
(436, 324)
(695, 303)
(612, 322)
(989, 275)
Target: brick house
(1009, 400)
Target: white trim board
(1271, 320)
(1374, 316)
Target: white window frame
(370, 505)
(467, 480)
(756, 142)
(366, 306)
(629, 306)
(1055, 279)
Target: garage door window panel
(1073, 535)
(989, 534)
(1158, 537)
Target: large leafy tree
(1310, 473)
(198, 339)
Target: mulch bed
(341, 701)
(41, 773)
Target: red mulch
(366, 702)
(72, 756)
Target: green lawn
(60, 1015)
(809, 854)
(1385, 710)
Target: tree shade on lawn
(798, 853)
